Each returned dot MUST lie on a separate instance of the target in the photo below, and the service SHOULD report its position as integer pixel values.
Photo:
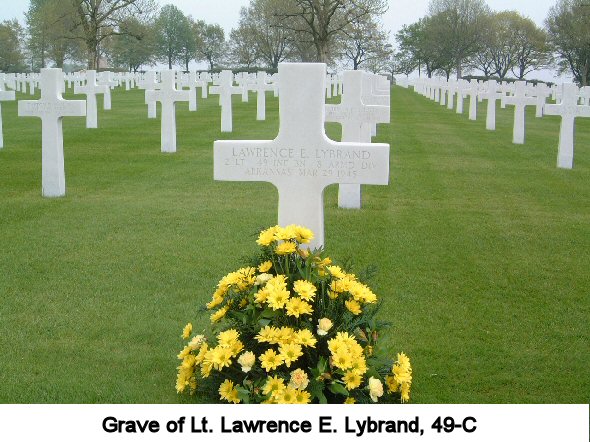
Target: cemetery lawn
(482, 247)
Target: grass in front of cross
(482, 249)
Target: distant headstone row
(300, 162)
(571, 103)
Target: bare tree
(100, 19)
(459, 22)
(568, 24)
(319, 22)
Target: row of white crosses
(301, 161)
(520, 95)
(357, 119)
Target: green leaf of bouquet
(316, 389)
(264, 322)
(243, 394)
(337, 388)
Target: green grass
(483, 250)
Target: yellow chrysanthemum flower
(228, 392)
(305, 289)
(290, 353)
(297, 307)
(342, 359)
(336, 271)
(267, 237)
(277, 297)
(265, 266)
(187, 330)
(286, 248)
(349, 400)
(303, 235)
(302, 397)
(220, 357)
(228, 337)
(202, 352)
(405, 390)
(287, 396)
(268, 334)
(359, 364)
(353, 307)
(352, 379)
(217, 300)
(286, 335)
(219, 314)
(273, 386)
(270, 360)
(392, 384)
(184, 353)
(306, 338)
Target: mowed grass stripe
(482, 248)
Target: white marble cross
(357, 120)
(491, 94)
(261, 86)
(4, 96)
(243, 80)
(472, 93)
(301, 161)
(225, 90)
(91, 89)
(542, 92)
(192, 88)
(203, 83)
(371, 97)
(150, 83)
(453, 87)
(52, 108)
(168, 95)
(520, 101)
(444, 88)
(104, 78)
(569, 110)
(462, 88)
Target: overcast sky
(226, 12)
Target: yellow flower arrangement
(291, 328)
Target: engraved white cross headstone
(261, 86)
(150, 83)
(453, 87)
(51, 108)
(357, 120)
(191, 82)
(104, 78)
(491, 94)
(225, 90)
(569, 111)
(4, 96)
(168, 95)
(472, 93)
(91, 89)
(520, 101)
(542, 92)
(302, 161)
